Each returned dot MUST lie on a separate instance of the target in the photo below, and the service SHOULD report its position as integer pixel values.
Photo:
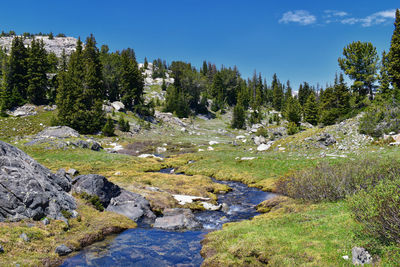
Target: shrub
(292, 128)
(108, 129)
(123, 124)
(67, 215)
(378, 209)
(379, 120)
(337, 181)
(93, 200)
(262, 131)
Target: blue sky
(298, 40)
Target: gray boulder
(58, 132)
(63, 250)
(326, 139)
(177, 219)
(29, 190)
(114, 198)
(24, 111)
(361, 256)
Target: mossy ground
(89, 227)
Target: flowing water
(146, 246)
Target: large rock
(63, 250)
(113, 197)
(326, 139)
(29, 190)
(360, 256)
(58, 132)
(177, 219)
(118, 106)
(25, 110)
(258, 140)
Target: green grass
(293, 235)
(22, 126)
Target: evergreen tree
(342, 95)
(238, 120)
(360, 62)
(277, 94)
(37, 73)
(311, 110)
(394, 58)
(15, 76)
(146, 63)
(293, 111)
(108, 128)
(132, 84)
(288, 93)
(80, 91)
(384, 92)
(304, 92)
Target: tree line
(80, 84)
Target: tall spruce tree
(15, 79)
(394, 58)
(384, 92)
(311, 110)
(80, 90)
(277, 91)
(131, 81)
(38, 67)
(293, 111)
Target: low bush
(331, 182)
(93, 200)
(378, 209)
(379, 120)
(292, 128)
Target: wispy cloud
(304, 17)
(374, 19)
(335, 13)
(301, 17)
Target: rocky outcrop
(113, 197)
(29, 190)
(326, 139)
(23, 111)
(55, 45)
(58, 132)
(177, 219)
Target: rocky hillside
(55, 45)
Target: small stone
(1, 249)
(63, 250)
(345, 257)
(24, 237)
(45, 221)
(361, 256)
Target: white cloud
(374, 19)
(302, 17)
(335, 13)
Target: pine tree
(293, 111)
(238, 120)
(277, 94)
(311, 110)
(80, 91)
(108, 129)
(342, 95)
(38, 67)
(384, 92)
(394, 58)
(15, 76)
(131, 84)
(146, 63)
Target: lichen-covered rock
(63, 250)
(114, 198)
(58, 132)
(29, 190)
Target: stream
(146, 246)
